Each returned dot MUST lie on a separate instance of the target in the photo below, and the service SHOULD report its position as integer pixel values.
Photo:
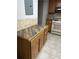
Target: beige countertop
(21, 24)
(29, 32)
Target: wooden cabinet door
(45, 33)
(52, 5)
(23, 49)
(49, 23)
(19, 49)
(41, 39)
(34, 47)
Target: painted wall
(42, 11)
(24, 21)
(21, 10)
(45, 11)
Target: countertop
(25, 23)
(27, 33)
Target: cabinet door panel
(34, 47)
(41, 39)
(52, 6)
(45, 33)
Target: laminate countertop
(28, 33)
(25, 23)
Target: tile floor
(52, 48)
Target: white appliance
(56, 27)
(56, 24)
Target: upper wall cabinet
(52, 5)
(28, 7)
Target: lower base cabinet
(49, 23)
(45, 33)
(29, 48)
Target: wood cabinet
(52, 5)
(41, 39)
(23, 48)
(34, 47)
(45, 33)
(30, 42)
(49, 23)
(51, 11)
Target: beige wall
(24, 21)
